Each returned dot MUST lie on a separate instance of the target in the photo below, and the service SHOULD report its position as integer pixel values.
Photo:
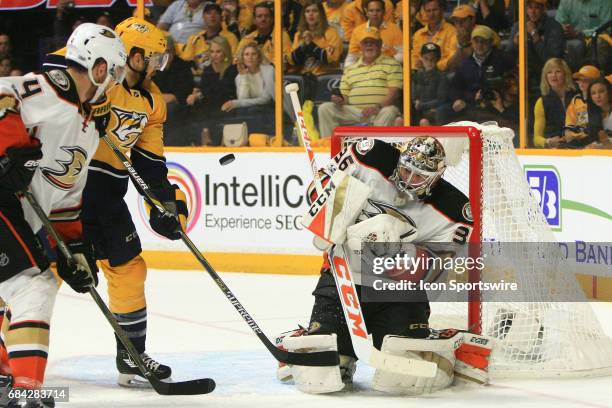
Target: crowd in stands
(348, 58)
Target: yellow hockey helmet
(138, 33)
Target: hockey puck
(227, 159)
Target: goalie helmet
(420, 166)
(90, 42)
(138, 33)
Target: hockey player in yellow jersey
(138, 112)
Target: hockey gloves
(82, 275)
(169, 224)
(100, 113)
(18, 165)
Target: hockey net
(535, 337)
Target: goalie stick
(323, 358)
(191, 387)
(347, 292)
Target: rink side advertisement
(254, 205)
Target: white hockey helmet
(420, 166)
(90, 42)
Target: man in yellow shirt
(390, 33)
(369, 89)
(263, 34)
(197, 48)
(437, 31)
(354, 15)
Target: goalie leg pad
(319, 380)
(437, 350)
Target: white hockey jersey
(49, 107)
(442, 217)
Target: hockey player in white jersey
(48, 136)
(403, 202)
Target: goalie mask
(420, 166)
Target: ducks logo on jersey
(71, 169)
(127, 125)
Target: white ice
(193, 328)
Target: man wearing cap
(390, 33)
(436, 31)
(197, 47)
(481, 72)
(263, 17)
(577, 115)
(369, 89)
(430, 89)
(182, 19)
(545, 38)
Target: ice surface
(193, 328)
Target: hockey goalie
(375, 193)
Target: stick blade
(191, 387)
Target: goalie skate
(130, 376)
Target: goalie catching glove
(174, 219)
(82, 274)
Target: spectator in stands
(217, 86)
(333, 11)
(182, 19)
(478, 75)
(66, 20)
(491, 13)
(16, 72)
(576, 114)
(354, 15)
(545, 39)
(390, 33)
(557, 90)
(368, 92)
(263, 36)
(317, 47)
(105, 19)
(436, 31)
(579, 18)
(502, 105)
(430, 88)
(176, 83)
(237, 17)
(197, 48)
(292, 10)
(5, 66)
(600, 113)
(254, 90)
(5, 45)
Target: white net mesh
(538, 335)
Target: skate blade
(136, 381)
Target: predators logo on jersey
(127, 126)
(70, 170)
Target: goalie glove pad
(473, 359)
(439, 347)
(169, 224)
(100, 113)
(84, 273)
(18, 165)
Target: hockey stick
(347, 291)
(192, 387)
(323, 358)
